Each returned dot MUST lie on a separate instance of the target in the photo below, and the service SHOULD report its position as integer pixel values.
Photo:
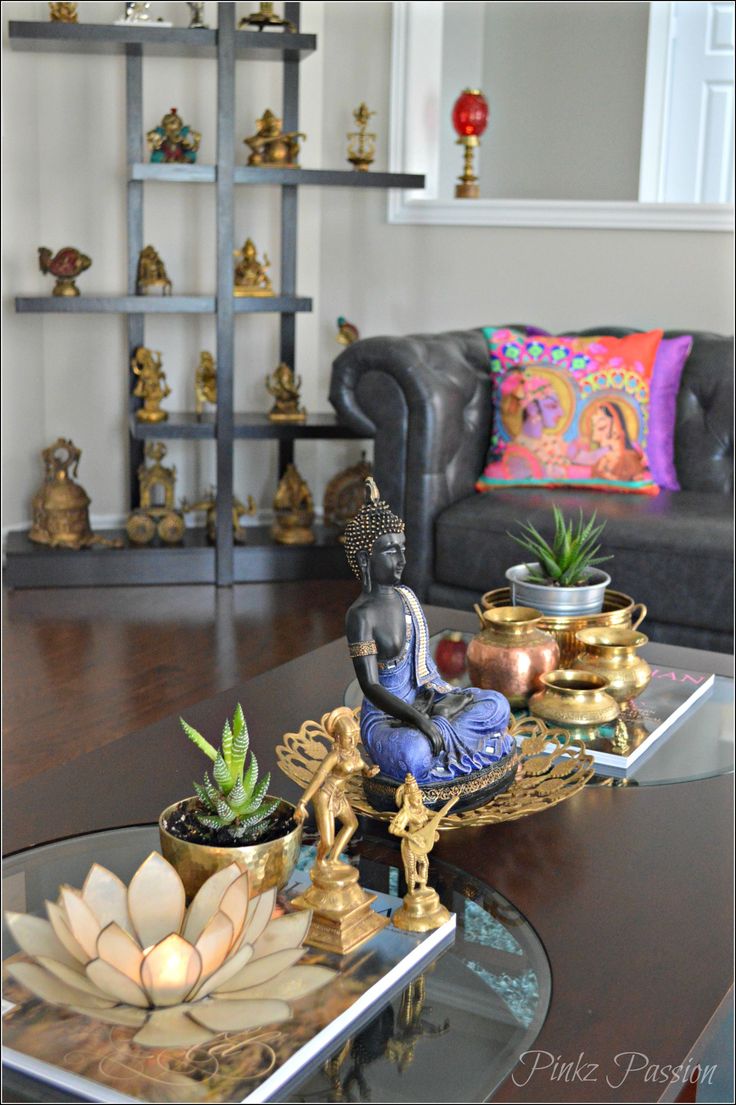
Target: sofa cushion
(673, 552)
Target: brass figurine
(196, 22)
(345, 493)
(346, 332)
(66, 266)
(250, 273)
(60, 506)
(417, 828)
(208, 503)
(342, 917)
(205, 382)
(361, 142)
(151, 386)
(266, 17)
(136, 15)
(294, 510)
(151, 517)
(272, 146)
(63, 13)
(284, 385)
(152, 278)
(172, 141)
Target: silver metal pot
(556, 601)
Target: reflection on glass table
(486, 996)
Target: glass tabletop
(486, 997)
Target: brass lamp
(469, 118)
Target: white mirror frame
(416, 68)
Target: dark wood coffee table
(629, 889)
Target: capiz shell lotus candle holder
(135, 956)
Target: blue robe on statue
(475, 739)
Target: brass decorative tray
(553, 767)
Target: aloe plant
(233, 800)
(566, 562)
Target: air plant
(233, 801)
(573, 552)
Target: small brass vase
(612, 653)
(575, 699)
(511, 652)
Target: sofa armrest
(427, 401)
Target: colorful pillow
(571, 411)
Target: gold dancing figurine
(205, 382)
(152, 278)
(417, 828)
(361, 142)
(284, 386)
(272, 146)
(342, 917)
(151, 385)
(250, 273)
(294, 509)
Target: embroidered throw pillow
(571, 412)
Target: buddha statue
(412, 721)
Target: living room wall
(64, 174)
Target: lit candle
(170, 969)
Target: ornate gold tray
(547, 775)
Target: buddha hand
(451, 705)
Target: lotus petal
(237, 1016)
(234, 903)
(51, 989)
(260, 970)
(120, 950)
(35, 936)
(214, 943)
(107, 897)
(61, 930)
(156, 900)
(229, 968)
(259, 914)
(171, 1028)
(119, 1014)
(83, 925)
(285, 932)
(114, 982)
(170, 970)
(290, 985)
(73, 978)
(207, 901)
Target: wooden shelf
(157, 304)
(171, 173)
(253, 425)
(244, 174)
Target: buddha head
(374, 541)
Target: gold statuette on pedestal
(63, 13)
(265, 17)
(152, 278)
(417, 826)
(270, 145)
(284, 385)
(151, 385)
(361, 142)
(205, 382)
(208, 503)
(342, 918)
(250, 273)
(294, 510)
(66, 265)
(61, 506)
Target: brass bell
(61, 506)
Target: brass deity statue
(342, 917)
(205, 382)
(361, 142)
(265, 17)
(66, 265)
(272, 146)
(417, 828)
(345, 493)
(152, 278)
(63, 13)
(172, 141)
(250, 273)
(61, 507)
(294, 510)
(151, 385)
(284, 385)
(208, 503)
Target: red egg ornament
(470, 119)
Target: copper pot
(511, 652)
(611, 652)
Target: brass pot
(268, 864)
(611, 652)
(574, 699)
(511, 652)
(618, 609)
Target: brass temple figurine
(345, 493)
(61, 507)
(63, 13)
(272, 146)
(152, 278)
(250, 273)
(208, 503)
(284, 385)
(205, 382)
(66, 266)
(361, 142)
(342, 917)
(294, 510)
(151, 385)
(265, 17)
(417, 828)
(172, 141)
(151, 518)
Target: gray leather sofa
(427, 401)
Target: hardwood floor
(84, 666)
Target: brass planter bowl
(574, 699)
(611, 652)
(268, 864)
(618, 609)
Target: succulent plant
(566, 562)
(233, 799)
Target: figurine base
(65, 287)
(360, 165)
(298, 416)
(467, 191)
(142, 23)
(240, 291)
(151, 416)
(422, 911)
(293, 535)
(342, 918)
(157, 287)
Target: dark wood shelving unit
(195, 560)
